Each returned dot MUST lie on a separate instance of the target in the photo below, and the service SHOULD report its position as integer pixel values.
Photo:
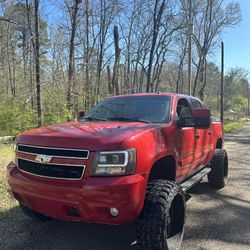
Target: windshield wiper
(127, 119)
(92, 119)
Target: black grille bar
(61, 152)
(51, 171)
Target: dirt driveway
(215, 219)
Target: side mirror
(202, 118)
(80, 114)
(199, 119)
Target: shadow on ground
(221, 217)
(236, 137)
(26, 233)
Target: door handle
(197, 136)
(210, 132)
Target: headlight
(114, 163)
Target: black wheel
(33, 214)
(219, 173)
(160, 225)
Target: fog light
(113, 211)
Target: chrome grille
(51, 170)
(46, 161)
(55, 152)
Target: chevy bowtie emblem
(43, 158)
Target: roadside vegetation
(56, 63)
(7, 202)
(229, 127)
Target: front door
(189, 143)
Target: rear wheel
(33, 214)
(219, 165)
(161, 223)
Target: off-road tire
(160, 225)
(33, 214)
(219, 169)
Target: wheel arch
(164, 168)
(219, 143)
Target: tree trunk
(31, 67)
(247, 88)
(71, 70)
(13, 71)
(87, 56)
(24, 57)
(32, 54)
(197, 76)
(109, 81)
(9, 64)
(37, 63)
(203, 79)
(156, 25)
(115, 82)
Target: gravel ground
(221, 219)
(215, 219)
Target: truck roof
(152, 94)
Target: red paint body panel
(93, 196)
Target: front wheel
(161, 223)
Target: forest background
(60, 57)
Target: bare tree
(115, 82)
(88, 59)
(73, 11)
(107, 12)
(37, 63)
(157, 15)
(210, 19)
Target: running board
(195, 179)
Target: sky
(237, 41)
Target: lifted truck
(130, 159)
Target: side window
(183, 108)
(196, 104)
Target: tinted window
(196, 104)
(183, 108)
(146, 108)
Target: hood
(84, 135)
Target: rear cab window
(196, 104)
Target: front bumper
(90, 201)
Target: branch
(12, 22)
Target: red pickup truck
(131, 158)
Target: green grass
(234, 126)
(8, 204)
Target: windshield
(151, 109)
